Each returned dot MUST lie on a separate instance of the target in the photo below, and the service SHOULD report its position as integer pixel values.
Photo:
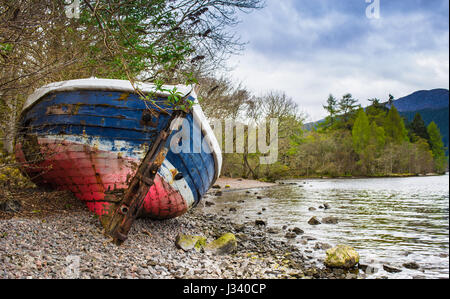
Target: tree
(148, 40)
(332, 109)
(391, 100)
(347, 108)
(437, 147)
(377, 136)
(394, 127)
(221, 99)
(418, 129)
(368, 142)
(360, 132)
(376, 111)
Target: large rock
(341, 256)
(223, 245)
(313, 221)
(187, 242)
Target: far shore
(239, 183)
(233, 184)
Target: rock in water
(260, 222)
(314, 221)
(368, 269)
(223, 245)
(291, 235)
(412, 266)
(187, 242)
(341, 256)
(391, 269)
(273, 230)
(323, 246)
(297, 230)
(330, 220)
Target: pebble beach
(71, 244)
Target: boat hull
(92, 142)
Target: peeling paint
(123, 97)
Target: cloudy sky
(311, 48)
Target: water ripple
(388, 220)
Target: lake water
(389, 221)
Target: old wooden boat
(115, 151)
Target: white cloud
(310, 57)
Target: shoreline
(324, 177)
(236, 184)
(39, 246)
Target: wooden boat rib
(90, 136)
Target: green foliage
(332, 110)
(376, 112)
(347, 108)
(10, 175)
(437, 147)
(373, 142)
(394, 127)
(360, 132)
(418, 129)
(175, 98)
(377, 136)
(439, 116)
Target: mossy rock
(187, 242)
(314, 221)
(224, 245)
(341, 256)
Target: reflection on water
(388, 220)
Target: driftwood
(122, 214)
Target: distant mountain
(423, 99)
(433, 105)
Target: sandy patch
(241, 183)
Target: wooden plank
(121, 216)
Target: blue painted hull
(110, 122)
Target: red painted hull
(89, 172)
